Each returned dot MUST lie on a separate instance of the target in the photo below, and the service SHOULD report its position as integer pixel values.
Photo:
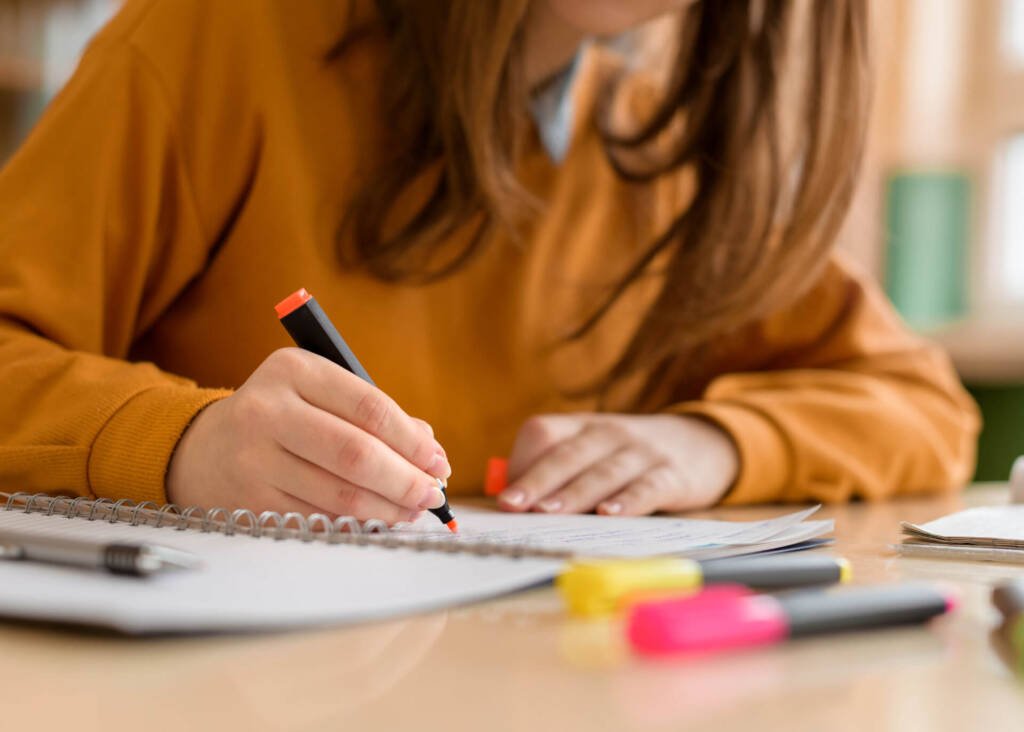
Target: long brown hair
(764, 105)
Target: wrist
(179, 479)
(130, 456)
(765, 464)
(718, 460)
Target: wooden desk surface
(518, 663)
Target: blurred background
(939, 218)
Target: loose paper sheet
(615, 536)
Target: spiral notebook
(272, 571)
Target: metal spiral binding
(269, 524)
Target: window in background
(1004, 253)
(1013, 30)
(1007, 261)
(1009, 223)
(68, 29)
(40, 44)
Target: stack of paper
(992, 533)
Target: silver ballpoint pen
(138, 560)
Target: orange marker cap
(292, 303)
(497, 476)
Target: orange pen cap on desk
(496, 477)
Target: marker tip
(453, 526)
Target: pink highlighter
(730, 616)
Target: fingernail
(439, 466)
(550, 506)
(610, 508)
(435, 499)
(512, 498)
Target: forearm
(84, 424)
(836, 434)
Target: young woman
(607, 259)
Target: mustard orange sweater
(193, 173)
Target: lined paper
(616, 536)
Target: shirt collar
(553, 112)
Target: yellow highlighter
(593, 588)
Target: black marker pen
(311, 329)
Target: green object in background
(1002, 438)
(1017, 640)
(928, 226)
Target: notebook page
(247, 583)
(617, 536)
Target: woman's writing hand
(303, 434)
(618, 464)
